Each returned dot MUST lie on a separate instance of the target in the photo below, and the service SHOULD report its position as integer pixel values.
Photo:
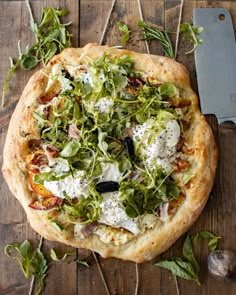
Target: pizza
(107, 150)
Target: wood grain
(88, 19)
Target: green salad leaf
(191, 33)
(51, 38)
(31, 261)
(187, 266)
(122, 27)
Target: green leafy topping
(124, 29)
(87, 124)
(51, 38)
(32, 262)
(150, 33)
(191, 33)
(187, 266)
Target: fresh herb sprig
(191, 33)
(122, 27)
(51, 38)
(187, 266)
(150, 33)
(32, 262)
(59, 258)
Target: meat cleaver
(215, 61)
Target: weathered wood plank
(14, 226)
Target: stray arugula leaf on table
(150, 33)
(122, 27)
(191, 33)
(51, 38)
(55, 257)
(32, 262)
(187, 266)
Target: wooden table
(219, 216)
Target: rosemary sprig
(150, 33)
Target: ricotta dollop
(161, 149)
(113, 214)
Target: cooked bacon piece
(39, 159)
(46, 203)
(34, 144)
(180, 165)
(135, 81)
(52, 92)
(51, 152)
(73, 131)
(38, 188)
(180, 143)
(47, 112)
(84, 230)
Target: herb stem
(33, 277)
(137, 279)
(8, 77)
(101, 273)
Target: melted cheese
(74, 186)
(161, 151)
(113, 214)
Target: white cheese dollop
(113, 214)
(74, 186)
(161, 151)
(103, 105)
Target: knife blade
(215, 61)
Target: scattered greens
(187, 266)
(150, 33)
(191, 33)
(54, 256)
(51, 38)
(32, 262)
(100, 136)
(122, 27)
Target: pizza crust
(144, 246)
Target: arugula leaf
(191, 33)
(51, 36)
(70, 149)
(54, 256)
(32, 262)
(212, 239)
(150, 33)
(124, 29)
(167, 90)
(25, 253)
(39, 265)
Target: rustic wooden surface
(219, 216)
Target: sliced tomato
(46, 203)
(38, 188)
